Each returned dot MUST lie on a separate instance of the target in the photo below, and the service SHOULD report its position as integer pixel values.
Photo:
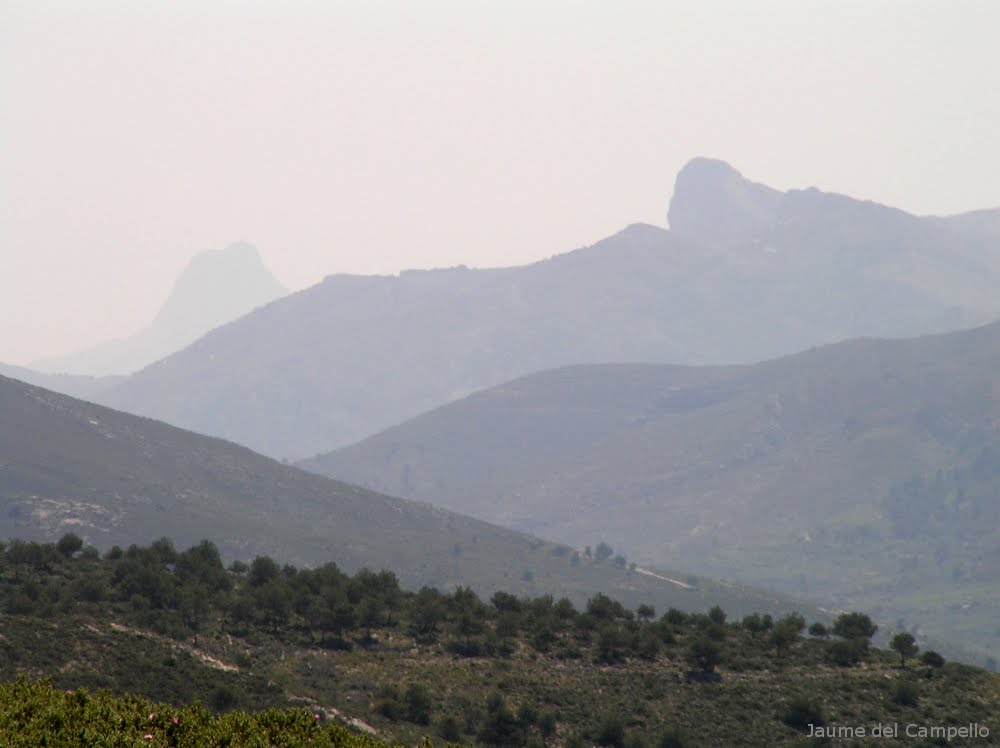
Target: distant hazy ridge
(863, 473)
(746, 273)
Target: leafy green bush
(34, 714)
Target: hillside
(858, 474)
(318, 648)
(780, 272)
(216, 287)
(979, 223)
(67, 465)
(75, 385)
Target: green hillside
(183, 639)
(863, 474)
(116, 479)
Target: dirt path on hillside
(679, 583)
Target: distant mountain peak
(701, 166)
(216, 286)
(714, 203)
(219, 285)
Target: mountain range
(216, 287)
(818, 474)
(863, 474)
(744, 274)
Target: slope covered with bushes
(178, 627)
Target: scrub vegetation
(260, 653)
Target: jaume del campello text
(972, 731)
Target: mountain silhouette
(355, 354)
(216, 287)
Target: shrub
(69, 544)
(449, 730)
(782, 637)
(932, 658)
(649, 646)
(645, 613)
(904, 644)
(392, 709)
(904, 693)
(802, 712)
(611, 732)
(819, 630)
(794, 622)
(38, 714)
(675, 617)
(222, 699)
(753, 623)
(635, 741)
(717, 615)
(501, 727)
(418, 704)
(672, 738)
(854, 626)
(547, 724)
(611, 646)
(847, 653)
(471, 647)
(703, 654)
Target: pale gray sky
(370, 136)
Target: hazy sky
(374, 136)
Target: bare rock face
(716, 204)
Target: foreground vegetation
(34, 714)
(178, 627)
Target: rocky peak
(715, 204)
